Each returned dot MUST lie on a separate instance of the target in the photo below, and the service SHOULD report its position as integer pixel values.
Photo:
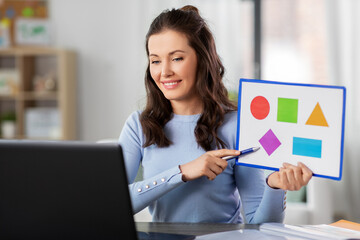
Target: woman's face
(173, 65)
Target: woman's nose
(166, 70)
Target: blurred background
(75, 70)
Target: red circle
(260, 107)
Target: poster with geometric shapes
(292, 122)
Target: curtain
(344, 57)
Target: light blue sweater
(201, 200)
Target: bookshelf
(37, 93)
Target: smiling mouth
(171, 83)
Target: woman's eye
(155, 62)
(178, 59)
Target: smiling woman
(185, 130)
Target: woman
(186, 128)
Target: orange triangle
(317, 117)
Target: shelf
(8, 97)
(38, 95)
(44, 99)
(21, 51)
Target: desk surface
(196, 229)
(226, 231)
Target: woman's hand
(290, 177)
(210, 164)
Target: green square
(287, 110)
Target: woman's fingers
(216, 169)
(294, 175)
(210, 174)
(284, 181)
(290, 177)
(210, 164)
(307, 173)
(221, 163)
(224, 152)
(216, 164)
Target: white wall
(108, 37)
(105, 36)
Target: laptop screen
(62, 190)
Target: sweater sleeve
(260, 202)
(144, 192)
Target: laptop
(64, 190)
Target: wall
(109, 61)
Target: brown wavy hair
(209, 85)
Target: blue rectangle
(307, 147)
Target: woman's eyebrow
(170, 53)
(175, 51)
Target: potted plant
(8, 125)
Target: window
(294, 41)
